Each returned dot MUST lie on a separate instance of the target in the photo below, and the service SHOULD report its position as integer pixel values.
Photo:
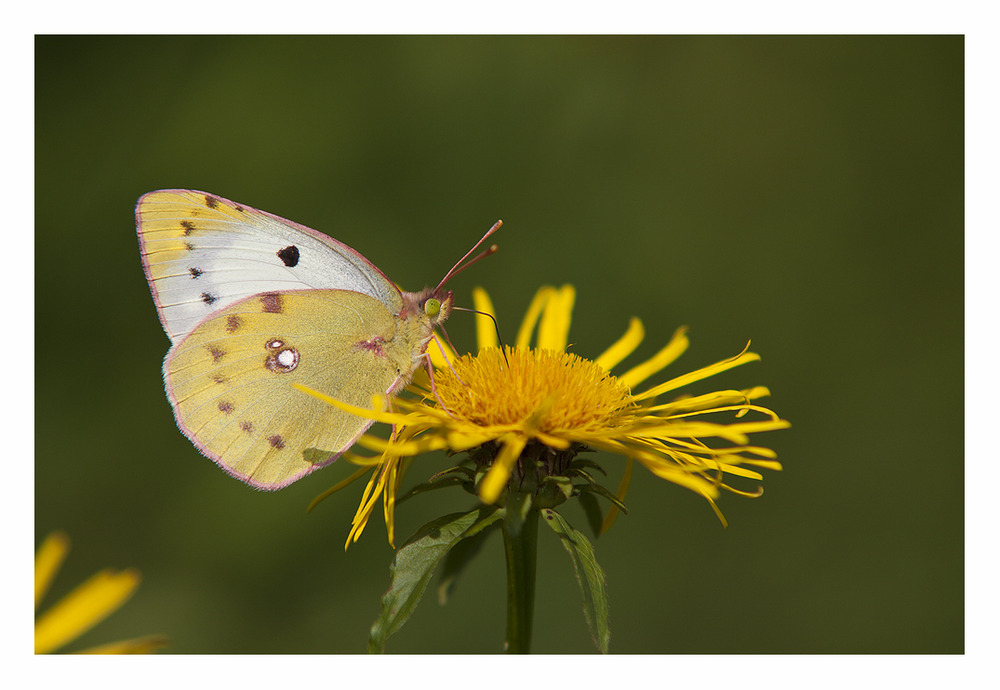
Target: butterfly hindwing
(230, 380)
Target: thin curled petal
(375, 413)
(699, 374)
(401, 447)
(623, 347)
(674, 349)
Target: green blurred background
(802, 192)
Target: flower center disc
(562, 390)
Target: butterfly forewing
(203, 253)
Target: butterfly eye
(432, 307)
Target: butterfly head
(435, 305)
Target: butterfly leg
(430, 373)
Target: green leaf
(460, 556)
(589, 575)
(414, 565)
(603, 491)
(563, 484)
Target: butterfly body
(254, 303)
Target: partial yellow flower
(85, 606)
(524, 413)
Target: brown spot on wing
(374, 345)
(211, 201)
(188, 227)
(276, 441)
(272, 303)
(226, 407)
(208, 298)
(247, 427)
(195, 272)
(233, 324)
(216, 352)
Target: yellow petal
(50, 556)
(495, 480)
(441, 352)
(338, 486)
(486, 332)
(551, 441)
(674, 349)
(741, 472)
(623, 347)
(375, 413)
(702, 403)
(83, 608)
(140, 645)
(688, 481)
(553, 331)
(531, 316)
(389, 502)
(699, 374)
(396, 447)
(372, 491)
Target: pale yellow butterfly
(254, 303)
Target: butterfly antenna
(496, 327)
(459, 267)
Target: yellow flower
(524, 413)
(85, 606)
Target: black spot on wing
(289, 255)
(195, 272)
(208, 298)
(188, 227)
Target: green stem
(520, 540)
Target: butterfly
(254, 303)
